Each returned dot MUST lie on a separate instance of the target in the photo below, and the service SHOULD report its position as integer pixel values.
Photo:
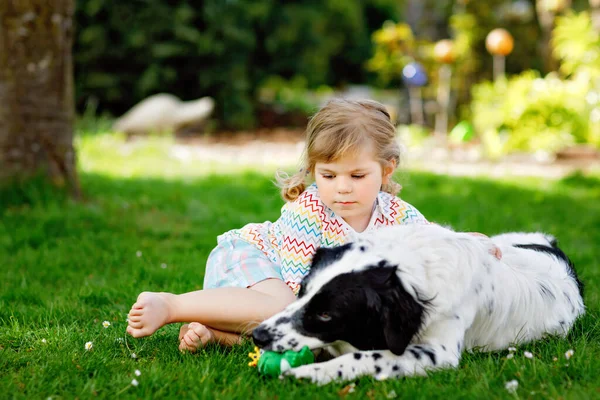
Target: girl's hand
(496, 252)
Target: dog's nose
(261, 336)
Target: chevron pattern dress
(307, 224)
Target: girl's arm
(300, 232)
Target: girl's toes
(187, 344)
(183, 330)
(135, 324)
(135, 312)
(136, 333)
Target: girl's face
(349, 186)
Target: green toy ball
(272, 364)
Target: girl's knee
(276, 288)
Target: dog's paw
(312, 372)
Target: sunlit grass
(162, 156)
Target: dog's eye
(324, 317)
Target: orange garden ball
(443, 51)
(499, 42)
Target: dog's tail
(540, 242)
(518, 238)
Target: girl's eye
(324, 317)
(327, 176)
(358, 176)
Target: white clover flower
(509, 356)
(392, 395)
(382, 377)
(512, 349)
(88, 346)
(163, 265)
(569, 353)
(44, 341)
(134, 382)
(137, 372)
(528, 354)
(555, 359)
(133, 355)
(120, 340)
(106, 324)
(138, 253)
(512, 386)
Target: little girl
(254, 272)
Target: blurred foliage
(394, 47)
(266, 56)
(467, 24)
(126, 51)
(522, 25)
(525, 113)
(470, 24)
(413, 135)
(529, 113)
(577, 44)
(292, 95)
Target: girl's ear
(388, 171)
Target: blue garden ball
(414, 74)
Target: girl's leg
(195, 335)
(232, 310)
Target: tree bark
(595, 6)
(546, 18)
(36, 90)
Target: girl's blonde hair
(340, 128)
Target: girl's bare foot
(150, 312)
(194, 336)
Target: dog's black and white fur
(411, 298)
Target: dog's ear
(382, 276)
(401, 317)
(373, 300)
(325, 256)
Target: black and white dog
(411, 298)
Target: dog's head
(350, 295)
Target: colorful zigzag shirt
(307, 224)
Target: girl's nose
(343, 186)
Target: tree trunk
(546, 18)
(36, 90)
(414, 14)
(595, 6)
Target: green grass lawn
(67, 267)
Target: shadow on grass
(581, 180)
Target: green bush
(291, 95)
(125, 51)
(530, 113)
(577, 44)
